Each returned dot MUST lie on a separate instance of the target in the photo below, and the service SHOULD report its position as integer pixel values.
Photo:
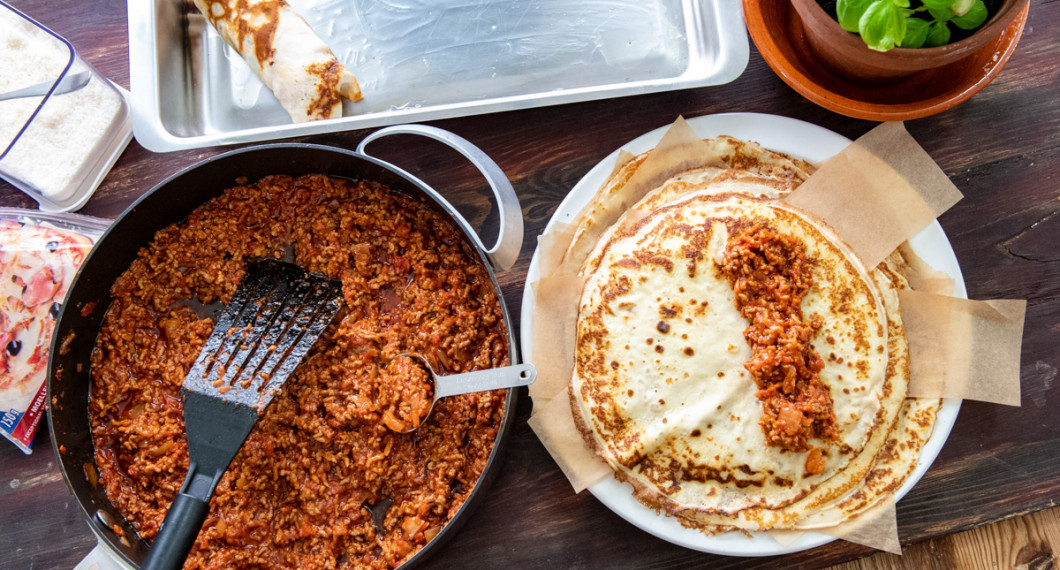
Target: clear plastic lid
(62, 124)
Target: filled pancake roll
(286, 54)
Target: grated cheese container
(62, 123)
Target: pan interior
(169, 203)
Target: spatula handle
(177, 534)
(183, 522)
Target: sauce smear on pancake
(770, 275)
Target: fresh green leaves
(849, 13)
(884, 24)
(973, 18)
(916, 33)
(938, 35)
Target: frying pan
(169, 203)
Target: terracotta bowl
(846, 53)
(779, 35)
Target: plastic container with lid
(56, 147)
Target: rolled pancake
(659, 387)
(282, 50)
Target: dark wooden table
(1001, 149)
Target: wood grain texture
(1030, 542)
(1000, 463)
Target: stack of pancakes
(663, 388)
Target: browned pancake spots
(663, 327)
(647, 257)
(770, 275)
(327, 96)
(699, 308)
(669, 311)
(689, 351)
(616, 287)
(669, 473)
(241, 18)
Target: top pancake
(660, 352)
(659, 372)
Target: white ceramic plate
(803, 140)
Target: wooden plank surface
(1000, 148)
(1024, 543)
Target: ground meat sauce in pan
(298, 494)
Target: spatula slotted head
(273, 319)
(275, 315)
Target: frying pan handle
(510, 237)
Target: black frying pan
(169, 203)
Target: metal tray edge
(151, 133)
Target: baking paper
(878, 192)
(923, 277)
(963, 349)
(555, 300)
(554, 425)
(876, 528)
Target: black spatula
(274, 317)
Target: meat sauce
(770, 275)
(302, 490)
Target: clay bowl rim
(1010, 10)
(806, 83)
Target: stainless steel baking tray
(420, 60)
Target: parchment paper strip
(923, 277)
(878, 192)
(678, 150)
(960, 348)
(554, 425)
(555, 315)
(876, 528)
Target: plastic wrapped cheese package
(40, 254)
